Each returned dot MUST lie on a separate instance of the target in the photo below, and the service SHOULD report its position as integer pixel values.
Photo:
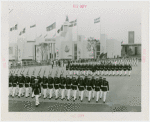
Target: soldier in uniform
(74, 87)
(67, 68)
(63, 86)
(39, 82)
(36, 91)
(116, 68)
(120, 69)
(68, 87)
(105, 69)
(21, 84)
(45, 86)
(93, 85)
(15, 81)
(56, 85)
(10, 84)
(97, 88)
(129, 69)
(27, 85)
(105, 89)
(32, 84)
(89, 87)
(86, 81)
(81, 85)
(50, 85)
(125, 68)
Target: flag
(24, 30)
(58, 30)
(73, 23)
(33, 26)
(10, 29)
(45, 35)
(61, 28)
(20, 34)
(97, 20)
(16, 26)
(51, 27)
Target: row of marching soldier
(68, 86)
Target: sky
(114, 22)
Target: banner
(33, 26)
(97, 20)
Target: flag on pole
(73, 23)
(45, 35)
(51, 27)
(14, 27)
(97, 20)
(33, 26)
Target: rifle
(39, 71)
(27, 72)
(33, 71)
(44, 72)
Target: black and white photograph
(77, 61)
(74, 57)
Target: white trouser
(97, 95)
(75, 92)
(44, 92)
(10, 90)
(68, 94)
(104, 96)
(86, 93)
(33, 94)
(89, 98)
(120, 72)
(20, 91)
(124, 72)
(93, 93)
(98, 72)
(113, 72)
(14, 91)
(36, 99)
(50, 93)
(129, 72)
(82, 92)
(27, 91)
(62, 93)
(56, 93)
(101, 72)
(106, 72)
(17, 90)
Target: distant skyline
(115, 23)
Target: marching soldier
(15, 81)
(21, 84)
(105, 69)
(56, 85)
(36, 91)
(63, 85)
(74, 87)
(89, 87)
(39, 82)
(81, 85)
(93, 86)
(32, 84)
(68, 87)
(125, 68)
(97, 88)
(10, 84)
(105, 89)
(50, 85)
(27, 85)
(120, 69)
(45, 85)
(116, 68)
(129, 69)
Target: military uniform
(120, 69)
(15, 81)
(45, 86)
(63, 85)
(36, 91)
(21, 85)
(89, 85)
(129, 69)
(56, 85)
(125, 68)
(97, 88)
(105, 89)
(39, 82)
(81, 85)
(74, 86)
(93, 85)
(68, 87)
(32, 84)
(116, 68)
(27, 85)
(10, 84)
(50, 86)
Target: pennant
(33, 26)
(58, 30)
(10, 29)
(61, 28)
(16, 27)
(73, 23)
(97, 20)
(24, 30)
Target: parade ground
(124, 96)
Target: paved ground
(124, 96)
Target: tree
(93, 43)
(43, 49)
